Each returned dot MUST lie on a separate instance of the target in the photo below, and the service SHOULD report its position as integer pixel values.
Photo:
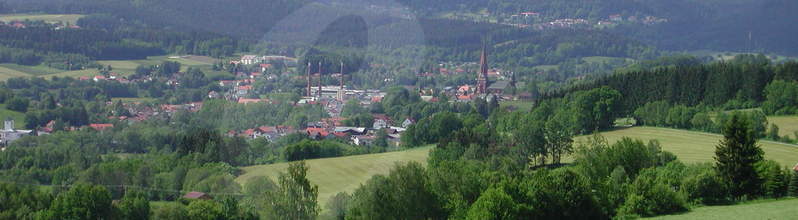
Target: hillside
(696, 147)
(780, 209)
(334, 175)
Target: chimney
(309, 77)
(319, 92)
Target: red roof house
(101, 127)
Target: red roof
(247, 87)
(376, 99)
(265, 65)
(795, 168)
(101, 127)
(267, 129)
(320, 131)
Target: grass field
(50, 18)
(334, 175)
(696, 147)
(122, 67)
(7, 73)
(19, 118)
(520, 105)
(788, 125)
(767, 209)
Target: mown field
(122, 67)
(334, 175)
(49, 18)
(767, 209)
(696, 147)
(788, 125)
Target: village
(331, 98)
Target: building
(10, 134)
(249, 59)
(482, 76)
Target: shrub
(706, 188)
(773, 179)
(649, 197)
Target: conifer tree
(736, 156)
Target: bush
(649, 197)
(706, 188)
(18, 104)
(793, 188)
(774, 183)
(493, 204)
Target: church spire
(482, 76)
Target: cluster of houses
(333, 128)
(22, 24)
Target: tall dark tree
(736, 156)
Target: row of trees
(741, 80)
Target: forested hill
(738, 83)
(691, 24)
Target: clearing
(334, 175)
(764, 209)
(49, 18)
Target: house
(381, 121)
(98, 78)
(265, 66)
(408, 122)
(249, 59)
(317, 133)
(350, 130)
(197, 195)
(10, 134)
(363, 139)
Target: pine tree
(793, 188)
(736, 156)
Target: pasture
(334, 175)
(788, 125)
(697, 147)
(122, 67)
(763, 209)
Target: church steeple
(482, 76)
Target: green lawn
(123, 67)
(696, 147)
(32, 70)
(768, 209)
(334, 175)
(50, 18)
(519, 105)
(7, 73)
(19, 118)
(788, 125)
